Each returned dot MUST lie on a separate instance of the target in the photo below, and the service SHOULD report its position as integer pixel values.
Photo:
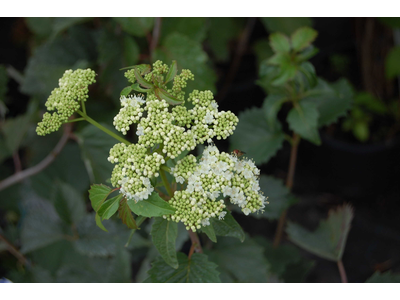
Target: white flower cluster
(130, 112)
(217, 174)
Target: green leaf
(361, 130)
(190, 55)
(193, 28)
(154, 206)
(329, 240)
(279, 59)
(41, 27)
(307, 53)
(98, 193)
(41, 226)
(131, 51)
(142, 81)
(272, 105)
(124, 213)
(263, 50)
(255, 137)
(392, 63)
(390, 21)
(95, 147)
(110, 207)
(387, 277)
(163, 95)
(172, 72)
(284, 24)
(69, 203)
(210, 232)
(136, 87)
(227, 227)
(279, 42)
(197, 269)
(136, 26)
(310, 78)
(164, 234)
(370, 102)
(14, 130)
(303, 37)
(240, 262)
(125, 92)
(287, 71)
(60, 24)
(332, 100)
(99, 224)
(279, 198)
(303, 119)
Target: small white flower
(222, 215)
(205, 222)
(180, 179)
(140, 130)
(209, 118)
(246, 211)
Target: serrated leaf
(255, 137)
(303, 37)
(69, 203)
(279, 42)
(197, 269)
(284, 24)
(329, 239)
(136, 26)
(109, 207)
(98, 193)
(209, 231)
(279, 198)
(228, 227)
(332, 100)
(164, 234)
(163, 95)
(126, 91)
(124, 213)
(172, 72)
(387, 277)
(271, 106)
(392, 63)
(99, 224)
(241, 262)
(154, 206)
(303, 119)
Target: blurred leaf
(390, 21)
(62, 23)
(164, 234)
(154, 206)
(284, 24)
(303, 37)
(361, 130)
(98, 194)
(136, 26)
(303, 119)
(196, 270)
(131, 51)
(392, 63)
(41, 27)
(279, 198)
(279, 43)
(332, 100)
(109, 207)
(227, 227)
(95, 147)
(329, 240)
(307, 53)
(124, 213)
(387, 277)
(68, 203)
(183, 236)
(190, 55)
(309, 78)
(209, 231)
(221, 32)
(267, 74)
(71, 51)
(193, 28)
(172, 72)
(41, 226)
(14, 131)
(271, 106)
(263, 50)
(370, 102)
(240, 261)
(255, 137)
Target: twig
(289, 185)
(40, 166)
(342, 271)
(196, 246)
(156, 35)
(242, 44)
(17, 162)
(14, 251)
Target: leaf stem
(342, 272)
(289, 185)
(196, 246)
(109, 132)
(75, 120)
(83, 107)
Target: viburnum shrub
(157, 177)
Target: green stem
(75, 120)
(83, 107)
(139, 221)
(109, 132)
(165, 182)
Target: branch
(155, 36)
(196, 246)
(342, 271)
(14, 251)
(40, 166)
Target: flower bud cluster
(133, 170)
(66, 99)
(130, 112)
(217, 174)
